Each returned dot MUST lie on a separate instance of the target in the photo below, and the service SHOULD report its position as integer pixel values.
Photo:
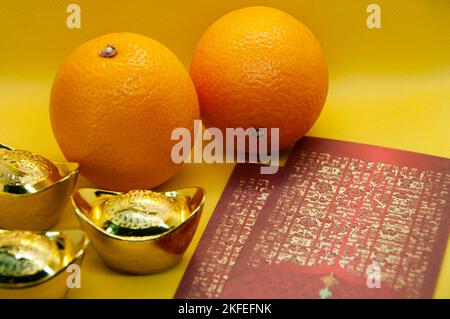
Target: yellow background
(388, 86)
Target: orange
(114, 103)
(260, 67)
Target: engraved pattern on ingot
(26, 257)
(142, 213)
(19, 169)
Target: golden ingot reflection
(33, 189)
(32, 264)
(141, 213)
(26, 257)
(23, 172)
(139, 232)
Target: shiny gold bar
(139, 232)
(33, 189)
(34, 265)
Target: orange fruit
(114, 103)
(260, 67)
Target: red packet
(340, 220)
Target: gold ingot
(33, 189)
(139, 232)
(36, 265)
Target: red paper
(318, 227)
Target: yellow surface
(388, 87)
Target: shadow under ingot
(36, 264)
(33, 189)
(139, 232)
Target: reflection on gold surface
(33, 189)
(139, 232)
(23, 172)
(32, 265)
(141, 213)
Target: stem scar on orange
(260, 67)
(114, 103)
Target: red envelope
(342, 213)
(289, 281)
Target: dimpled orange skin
(260, 67)
(115, 115)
